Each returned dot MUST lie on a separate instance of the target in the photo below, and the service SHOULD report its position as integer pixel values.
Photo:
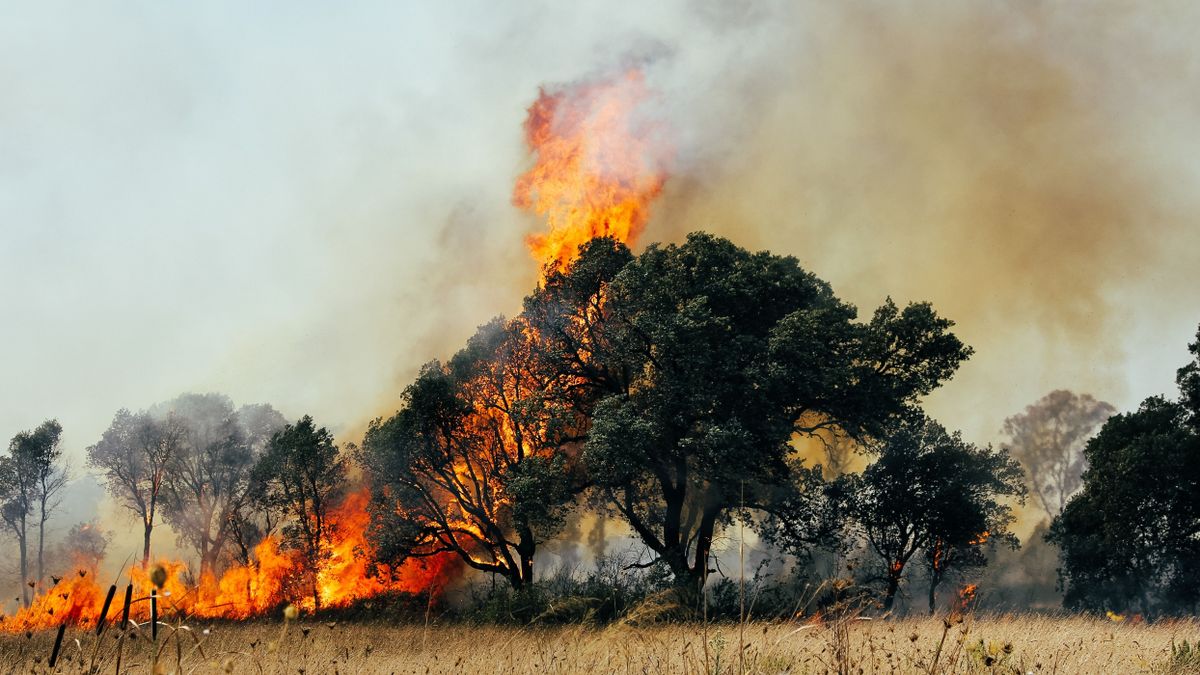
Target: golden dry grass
(1001, 644)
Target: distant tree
(208, 479)
(134, 454)
(32, 477)
(930, 491)
(84, 545)
(302, 473)
(1130, 539)
(473, 463)
(710, 359)
(1048, 439)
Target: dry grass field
(999, 644)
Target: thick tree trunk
(526, 547)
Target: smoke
(1018, 164)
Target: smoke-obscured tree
(207, 488)
(713, 359)
(250, 525)
(302, 474)
(474, 463)
(1048, 439)
(930, 491)
(1130, 539)
(83, 547)
(32, 477)
(133, 454)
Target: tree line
(671, 391)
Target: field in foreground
(1002, 644)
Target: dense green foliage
(1130, 540)
(300, 476)
(930, 491)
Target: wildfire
(600, 160)
(966, 596)
(245, 591)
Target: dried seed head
(158, 575)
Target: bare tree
(32, 479)
(1048, 440)
(134, 454)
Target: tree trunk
(514, 579)
(207, 567)
(21, 543)
(934, 580)
(147, 528)
(41, 574)
(41, 545)
(526, 547)
(704, 536)
(893, 585)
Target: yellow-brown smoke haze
(1027, 167)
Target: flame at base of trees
(275, 577)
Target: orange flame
(245, 591)
(966, 596)
(600, 162)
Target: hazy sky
(300, 203)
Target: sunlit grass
(1004, 644)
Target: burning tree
(483, 460)
(302, 474)
(478, 461)
(207, 485)
(930, 491)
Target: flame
(966, 597)
(600, 160)
(245, 591)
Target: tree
(930, 491)
(474, 463)
(207, 485)
(1130, 539)
(302, 473)
(83, 547)
(710, 359)
(134, 454)
(249, 525)
(1048, 440)
(32, 478)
